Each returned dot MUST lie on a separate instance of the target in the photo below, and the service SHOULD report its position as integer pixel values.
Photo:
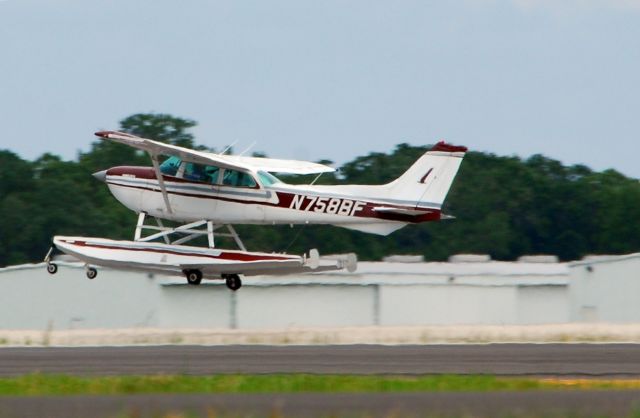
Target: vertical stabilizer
(428, 180)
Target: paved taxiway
(602, 360)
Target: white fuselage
(192, 186)
(279, 203)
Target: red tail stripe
(444, 147)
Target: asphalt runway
(562, 360)
(575, 360)
(431, 404)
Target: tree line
(504, 206)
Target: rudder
(429, 179)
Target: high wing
(234, 162)
(276, 165)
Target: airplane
(228, 189)
(204, 189)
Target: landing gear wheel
(193, 276)
(91, 273)
(52, 268)
(233, 281)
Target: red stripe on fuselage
(284, 198)
(148, 173)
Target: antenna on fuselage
(228, 148)
(248, 148)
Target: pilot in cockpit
(194, 172)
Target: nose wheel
(52, 268)
(233, 281)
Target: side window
(230, 178)
(213, 174)
(246, 180)
(170, 166)
(238, 179)
(193, 171)
(202, 173)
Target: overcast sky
(329, 79)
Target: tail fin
(428, 180)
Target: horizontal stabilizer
(379, 228)
(402, 211)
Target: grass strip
(51, 384)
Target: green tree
(504, 206)
(160, 127)
(15, 173)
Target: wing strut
(156, 167)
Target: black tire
(233, 281)
(92, 273)
(194, 277)
(52, 268)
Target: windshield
(267, 179)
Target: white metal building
(469, 291)
(605, 289)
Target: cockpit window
(268, 179)
(202, 173)
(170, 166)
(238, 179)
(211, 174)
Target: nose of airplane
(101, 175)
